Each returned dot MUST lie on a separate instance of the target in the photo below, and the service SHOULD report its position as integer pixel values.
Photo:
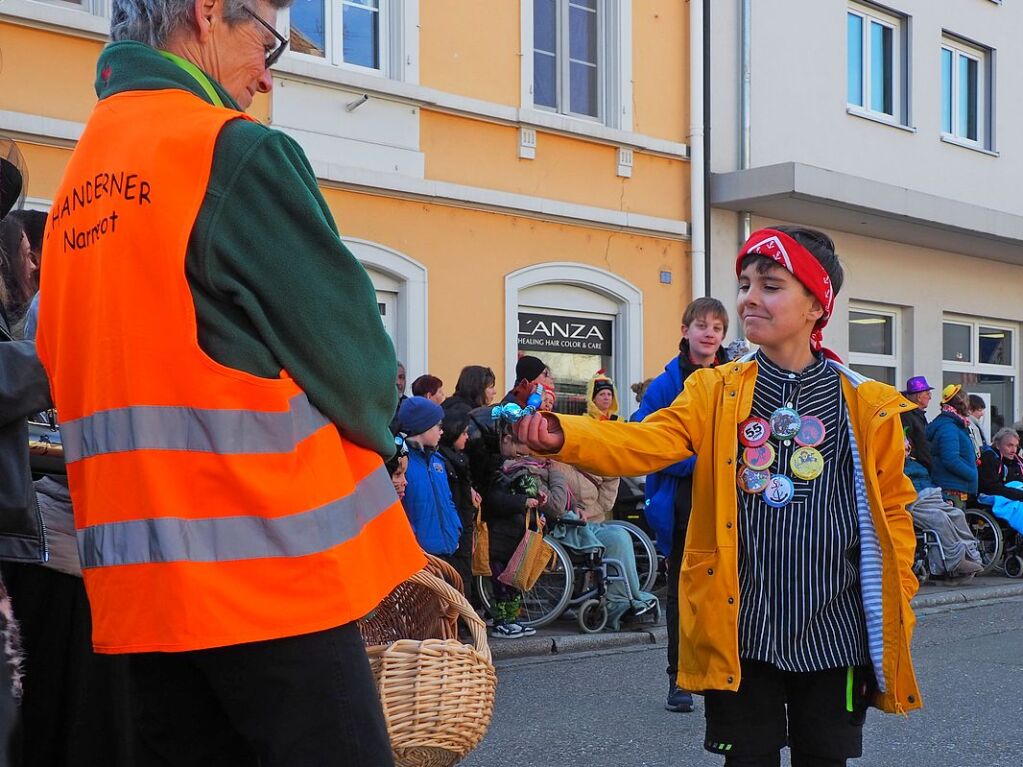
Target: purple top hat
(917, 384)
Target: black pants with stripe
(298, 701)
(818, 714)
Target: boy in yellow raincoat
(797, 573)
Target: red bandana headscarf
(789, 254)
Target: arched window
(578, 319)
(400, 284)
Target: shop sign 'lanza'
(580, 335)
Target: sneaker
(527, 631)
(679, 700)
(506, 631)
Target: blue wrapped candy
(512, 413)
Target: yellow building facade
(513, 174)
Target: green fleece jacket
(274, 287)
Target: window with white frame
(876, 65)
(981, 356)
(965, 91)
(873, 343)
(567, 56)
(581, 62)
(95, 7)
(351, 33)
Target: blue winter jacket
(428, 503)
(662, 487)
(954, 456)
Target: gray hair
(1002, 433)
(153, 22)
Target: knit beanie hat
(529, 368)
(603, 384)
(418, 414)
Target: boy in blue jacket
(427, 501)
(669, 493)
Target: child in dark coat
(464, 495)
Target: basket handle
(458, 603)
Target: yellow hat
(949, 392)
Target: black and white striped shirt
(800, 607)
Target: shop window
(574, 349)
(956, 342)
(578, 319)
(873, 343)
(980, 356)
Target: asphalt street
(606, 708)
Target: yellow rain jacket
(704, 421)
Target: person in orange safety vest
(224, 384)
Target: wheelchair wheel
(986, 530)
(592, 616)
(646, 553)
(547, 600)
(1013, 566)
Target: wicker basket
(437, 693)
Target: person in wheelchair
(958, 554)
(547, 480)
(1000, 475)
(999, 465)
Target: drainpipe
(745, 77)
(707, 155)
(697, 161)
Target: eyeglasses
(276, 53)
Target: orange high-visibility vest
(213, 507)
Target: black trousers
(304, 700)
(818, 714)
(75, 709)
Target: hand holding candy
(541, 433)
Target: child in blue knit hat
(428, 503)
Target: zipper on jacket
(42, 527)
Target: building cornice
(65, 133)
(794, 191)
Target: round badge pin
(785, 423)
(753, 481)
(760, 457)
(753, 432)
(811, 431)
(807, 463)
(779, 491)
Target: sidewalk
(564, 637)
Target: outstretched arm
(616, 448)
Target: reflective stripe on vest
(224, 539)
(226, 432)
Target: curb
(938, 596)
(563, 644)
(549, 645)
